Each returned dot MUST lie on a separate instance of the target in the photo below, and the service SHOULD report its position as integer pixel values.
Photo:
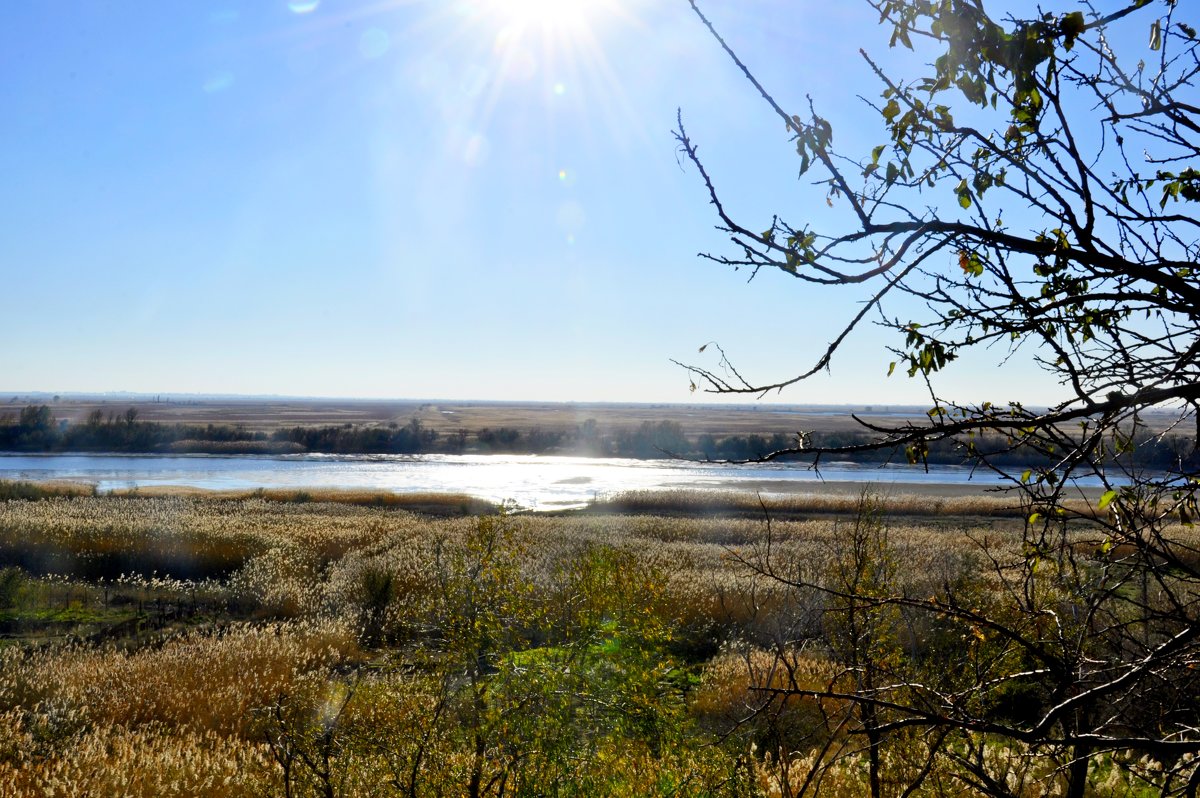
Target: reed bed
(173, 719)
(115, 760)
(718, 502)
(295, 556)
(201, 681)
(335, 641)
(32, 491)
(423, 502)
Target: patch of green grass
(65, 615)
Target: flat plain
(268, 414)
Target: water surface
(531, 481)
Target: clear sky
(416, 198)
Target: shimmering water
(531, 481)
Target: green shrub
(12, 584)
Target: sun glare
(559, 14)
(511, 69)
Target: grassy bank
(34, 491)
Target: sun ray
(561, 47)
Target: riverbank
(766, 500)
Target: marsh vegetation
(331, 645)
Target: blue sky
(417, 199)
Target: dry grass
(135, 763)
(428, 502)
(177, 719)
(179, 716)
(196, 681)
(700, 503)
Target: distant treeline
(35, 429)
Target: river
(531, 481)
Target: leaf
(964, 193)
(824, 132)
(1033, 518)
(969, 262)
(1025, 475)
(1156, 35)
(1072, 25)
(703, 348)
(891, 368)
(1106, 499)
(891, 111)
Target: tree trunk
(1077, 771)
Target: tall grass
(35, 491)
(741, 503)
(649, 633)
(425, 502)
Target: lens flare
(373, 43)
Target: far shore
(883, 487)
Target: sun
(549, 58)
(551, 14)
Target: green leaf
(964, 193)
(1033, 518)
(1156, 35)
(1106, 499)
(891, 368)
(1025, 475)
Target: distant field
(445, 417)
